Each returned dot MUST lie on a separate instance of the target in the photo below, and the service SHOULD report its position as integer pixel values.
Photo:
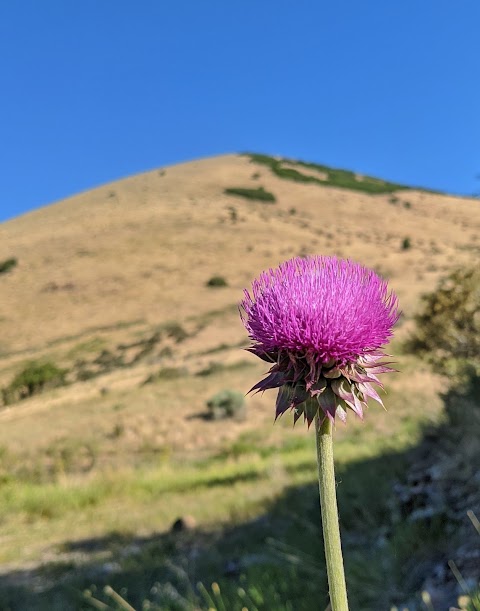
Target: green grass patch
(259, 194)
(95, 344)
(331, 177)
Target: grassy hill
(131, 289)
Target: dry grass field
(112, 286)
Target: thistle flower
(321, 321)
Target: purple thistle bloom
(322, 322)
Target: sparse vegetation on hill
(259, 194)
(167, 373)
(35, 378)
(326, 176)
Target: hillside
(119, 275)
(112, 285)
(143, 248)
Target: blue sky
(94, 91)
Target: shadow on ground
(403, 517)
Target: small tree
(448, 325)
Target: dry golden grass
(108, 266)
(143, 248)
(112, 265)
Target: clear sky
(96, 90)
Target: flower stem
(328, 505)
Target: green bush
(256, 194)
(33, 379)
(448, 325)
(406, 243)
(217, 281)
(7, 265)
(226, 404)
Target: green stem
(328, 505)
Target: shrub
(70, 456)
(33, 379)
(226, 404)
(217, 281)
(167, 373)
(175, 331)
(256, 194)
(448, 325)
(233, 214)
(406, 243)
(7, 265)
(108, 360)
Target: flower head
(321, 321)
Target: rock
(184, 523)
